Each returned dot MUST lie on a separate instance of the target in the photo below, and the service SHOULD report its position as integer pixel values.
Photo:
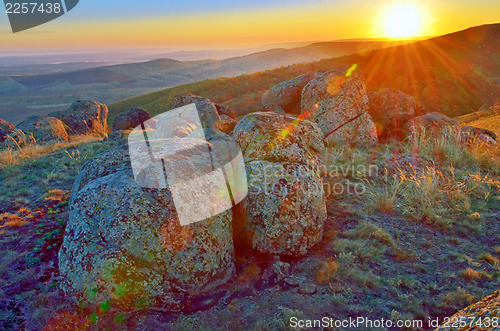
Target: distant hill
(21, 96)
(454, 74)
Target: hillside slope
(454, 74)
(21, 96)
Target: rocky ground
(403, 229)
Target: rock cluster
(335, 100)
(44, 128)
(84, 117)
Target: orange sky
(237, 27)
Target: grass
(454, 192)
(410, 247)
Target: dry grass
(463, 182)
(489, 259)
(457, 299)
(328, 270)
(56, 195)
(11, 220)
(471, 274)
(31, 151)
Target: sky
(230, 24)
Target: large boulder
(285, 206)
(287, 95)
(482, 315)
(85, 117)
(5, 129)
(44, 129)
(391, 109)
(278, 138)
(360, 132)
(207, 110)
(336, 98)
(124, 243)
(133, 118)
(434, 125)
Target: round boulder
(44, 129)
(278, 138)
(337, 101)
(391, 109)
(285, 207)
(124, 243)
(287, 95)
(434, 125)
(133, 118)
(85, 117)
(335, 98)
(361, 133)
(206, 109)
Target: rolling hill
(454, 74)
(21, 96)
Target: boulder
(206, 109)
(483, 315)
(85, 117)
(278, 138)
(287, 95)
(434, 125)
(338, 98)
(391, 109)
(133, 118)
(44, 129)
(273, 109)
(226, 124)
(6, 128)
(285, 207)
(124, 243)
(223, 110)
(471, 134)
(18, 139)
(361, 132)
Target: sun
(403, 20)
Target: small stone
(274, 274)
(307, 289)
(293, 281)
